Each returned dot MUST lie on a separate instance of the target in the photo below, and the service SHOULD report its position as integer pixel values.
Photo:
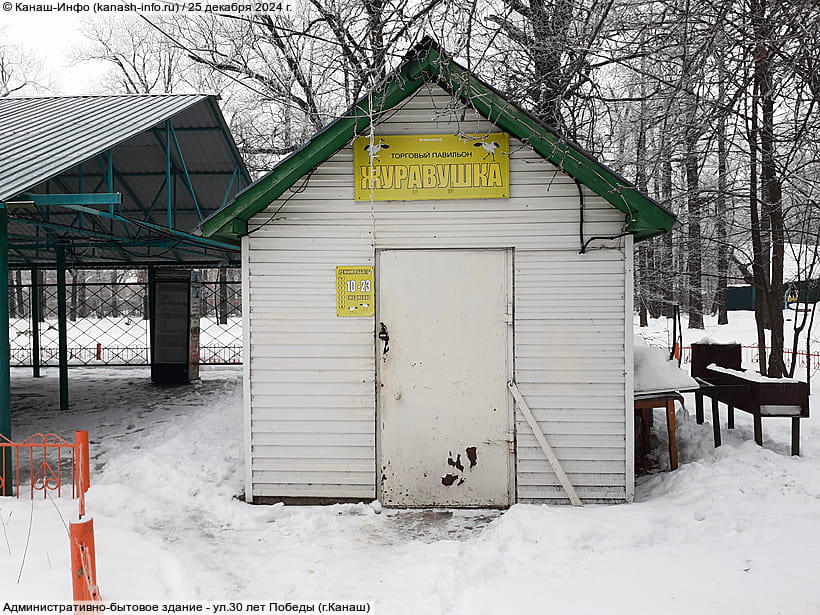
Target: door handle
(384, 336)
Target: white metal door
(445, 420)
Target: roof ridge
(130, 95)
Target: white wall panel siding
(570, 368)
(629, 369)
(246, 370)
(312, 391)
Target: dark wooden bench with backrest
(717, 369)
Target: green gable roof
(427, 62)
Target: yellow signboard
(355, 295)
(425, 167)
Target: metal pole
(151, 307)
(34, 302)
(168, 187)
(62, 323)
(5, 355)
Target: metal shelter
(93, 181)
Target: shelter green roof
(428, 62)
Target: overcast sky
(52, 36)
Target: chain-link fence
(107, 317)
(220, 335)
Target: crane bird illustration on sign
(489, 147)
(373, 149)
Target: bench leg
(716, 421)
(795, 435)
(670, 428)
(730, 422)
(758, 425)
(699, 408)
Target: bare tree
(296, 72)
(552, 53)
(21, 70)
(781, 125)
(141, 59)
(711, 105)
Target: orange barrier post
(84, 463)
(82, 469)
(99, 351)
(83, 561)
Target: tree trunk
(771, 223)
(82, 295)
(21, 301)
(12, 296)
(693, 242)
(72, 304)
(142, 278)
(760, 274)
(642, 279)
(720, 201)
(772, 197)
(114, 304)
(668, 239)
(223, 297)
(41, 294)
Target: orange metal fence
(48, 463)
(751, 355)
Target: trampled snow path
(734, 530)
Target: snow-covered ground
(733, 530)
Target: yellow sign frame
(355, 291)
(432, 167)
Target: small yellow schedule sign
(355, 295)
(427, 167)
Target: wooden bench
(761, 399)
(724, 381)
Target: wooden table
(644, 403)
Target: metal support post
(168, 187)
(151, 307)
(5, 355)
(34, 301)
(185, 173)
(62, 327)
(109, 175)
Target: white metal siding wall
(569, 365)
(312, 389)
